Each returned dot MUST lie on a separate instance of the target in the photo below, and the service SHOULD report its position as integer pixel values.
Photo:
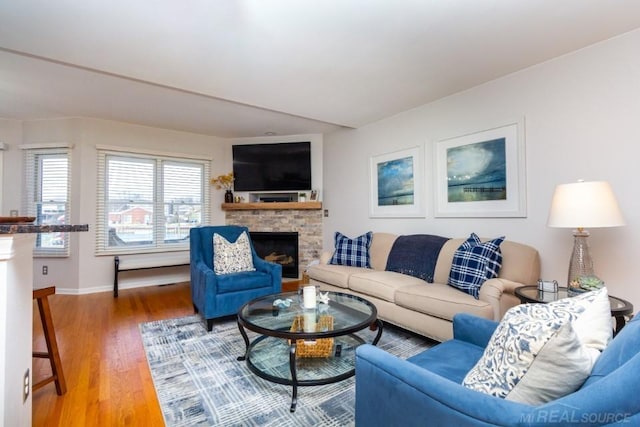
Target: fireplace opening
(278, 247)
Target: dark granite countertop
(37, 228)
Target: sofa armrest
(203, 276)
(391, 391)
(271, 268)
(500, 293)
(203, 282)
(265, 266)
(473, 329)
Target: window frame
(33, 156)
(159, 242)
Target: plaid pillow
(474, 262)
(352, 252)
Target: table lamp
(583, 205)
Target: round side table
(620, 309)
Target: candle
(309, 297)
(309, 320)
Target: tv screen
(284, 166)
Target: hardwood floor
(104, 365)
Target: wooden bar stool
(52, 345)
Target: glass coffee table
(305, 347)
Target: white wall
(11, 135)
(581, 114)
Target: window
(46, 196)
(148, 203)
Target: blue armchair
(426, 389)
(216, 296)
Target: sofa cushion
(336, 275)
(474, 262)
(535, 354)
(382, 284)
(243, 281)
(381, 245)
(232, 257)
(440, 300)
(352, 252)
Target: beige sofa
(428, 308)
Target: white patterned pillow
(232, 257)
(536, 353)
(594, 327)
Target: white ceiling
(240, 68)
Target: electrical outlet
(13, 212)
(326, 213)
(26, 386)
(45, 270)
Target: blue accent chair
(216, 296)
(426, 390)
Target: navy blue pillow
(352, 252)
(475, 262)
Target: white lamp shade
(584, 205)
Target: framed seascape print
(397, 184)
(482, 174)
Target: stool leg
(52, 344)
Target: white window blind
(47, 178)
(148, 203)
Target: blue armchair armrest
(394, 392)
(473, 329)
(272, 268)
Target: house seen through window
(149, 203)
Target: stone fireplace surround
(304, 218)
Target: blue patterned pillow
(474, 262)
(352, 252)
(536, 353)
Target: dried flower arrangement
(223, 181)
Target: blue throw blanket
(415, 255)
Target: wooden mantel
(271, 206)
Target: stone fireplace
(278, 247)
(303, 218)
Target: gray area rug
(200, 382)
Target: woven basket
(321, 347)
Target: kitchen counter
(18, 228)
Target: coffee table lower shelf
(274, 359)
(284, 352)
(270, 358)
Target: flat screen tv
(284, 166)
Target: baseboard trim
(158, 281)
